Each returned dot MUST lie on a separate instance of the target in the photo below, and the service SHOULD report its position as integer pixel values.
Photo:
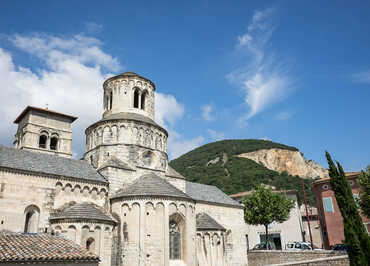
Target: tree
(364, 182)
(263, 206)
(356, 238)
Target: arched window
(175, 241)
(31, 222)
(42, 141)
(90, 244)
(136, 99)
(143, 98)
(110, 100)
(54, 143)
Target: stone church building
(122, 201)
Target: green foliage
(233, 174)
(263, 206)
(356, 238)
(364, 182)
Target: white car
(300, 246)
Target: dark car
(262, 246)
(340, 247)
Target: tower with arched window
(45, 131)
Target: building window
(32, 214)
(42, 141)
(110, 100)
(247, 241)
(356, 198)
(90, 245)
(136, 99)
(54, 143)
(143, 98)
(328, 205)
(175, 241)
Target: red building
(330, 218)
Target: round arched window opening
(54, 143)
(90, 245)
(136, 99)
(42, 141)
(143, 99)
(175, 241)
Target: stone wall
(232, 219)
(21, 191)
(272, 257)
(76, 263)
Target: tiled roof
(173, 173)
(208, 193)
(150, 185)
(48, 164)
(43, 110)
(348, 175)
(206, 222)
(113, 161)
(83, 210)
(245, 193)
(22, 248)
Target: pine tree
(356, 238)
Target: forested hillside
(215, 164)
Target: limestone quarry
(281, 160)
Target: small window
(325, 187)
(42, 141)
(175, 241)
(351, 183)
(356, 198)
(110, 100)
(54, 143)
(143, 98)
(247, 241)
(90, 245)
(328, 205)
(136, 99)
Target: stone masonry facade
(122, 201)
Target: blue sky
(294, 72)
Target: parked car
(340, 247)
(262, 246)
(300, 246)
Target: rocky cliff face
(281, 160)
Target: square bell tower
(43, 130)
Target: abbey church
(121, 201)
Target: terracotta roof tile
(20, 247)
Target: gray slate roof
(113, 161)
(48, 164)
(150, 185)
(173, 173)
(83, 210)
(206, 222)
(208, 193)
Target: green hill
(215, 164)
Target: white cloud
(207, 112)
(168, 109)
(284, 115)
(70, 81)
(216, 135)
(262, 80)
(361, 77)
(177, 145)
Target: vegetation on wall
(356, 238)
(215, 164)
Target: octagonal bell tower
(129, 93)
(127, 139)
